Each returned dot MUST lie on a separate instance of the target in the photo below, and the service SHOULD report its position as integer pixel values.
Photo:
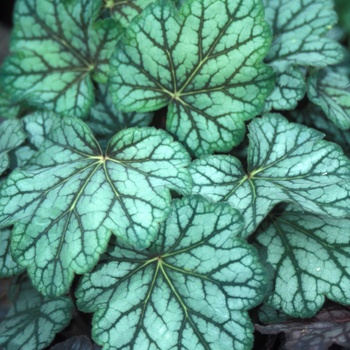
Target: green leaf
(38, 125)
(124, 11)
(299, 31)
(200, 62)
(57, 48)
(343, 10)
(310, 257)
(8, 267)
(71, 197)
(106, 120)
(289, 89)
(287, 162)
(34, 320)
(11, 136)
(330, 89)
(189, 290)
(314, 117)
(7, 108)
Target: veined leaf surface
(200, 62)
(8, 267)
(299, 29)
(106, 120)
(70, 197)
(190, 290)
(34, 320)
(309, 255)
(287, 162)
(123, 11)
(56, 49)
(11, 136)
(330, 89)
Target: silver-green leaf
(299, 39)
(309, 255)
(189, 290)
(12, 135)
(70, 197)
(330, 89)
(57, 48)
(200, 62)
(287, 162)
(34, 320)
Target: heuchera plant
(169, 165)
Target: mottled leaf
(34, 320)
(287, 162)
(330, 89)
(289, 89)
(11, 136)
(200, 62)
(106, 120)
(8, 267)
(123, 11)
(8, 109)
(310, 257)
(56, 49)
(189, 290)
(70, 197)
(299, 39)
(313, 116)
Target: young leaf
(70, 197)
(57, 48)
(287, 162)
(8, 267)
(190, 289)
(330, 89)
(11, 136)
(299, 29)
(34, 320)
(200, 62)
(106, 120)
(310, 257)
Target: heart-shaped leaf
(57, 48)
(287, 162)
(71, 196)
(189, 290)
(200, 62)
